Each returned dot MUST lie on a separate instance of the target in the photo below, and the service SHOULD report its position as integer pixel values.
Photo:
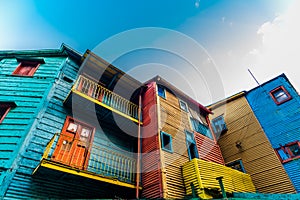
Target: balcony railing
(78, 155)
(106, 98)
(203, 174)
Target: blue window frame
(191, 145)
(219, 125)
(183, 105)
(200, 128)
(237, 164)
(166, 142)
(161, 91)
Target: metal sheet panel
(151, 177)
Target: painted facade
(60, 139)
(276, 105)
(74, 126)
(176, 132)
(245, 146)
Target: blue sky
(235, 35)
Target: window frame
(32, 71)
(233, 163)
(8, 106)
(164, 91)
(186, 105)
(289, 97)
(163, 146)
(217, 119)
(192, 142)
(197, 130)
(288, 152)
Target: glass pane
(161, 92)
(72, 127)
(183, 106)
(282, 154)
(280, 95)
(295, 149)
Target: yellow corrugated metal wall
(256, 153)
(203, 175)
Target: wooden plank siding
(280, 122)
(256, 153)
(28, 127)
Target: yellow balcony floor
(48, 167)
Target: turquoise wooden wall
(39, 114)
(281, 123)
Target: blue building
(276, 105)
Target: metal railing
(102, 161)
(105, 96)
(110, 163)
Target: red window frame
(287, 150)
(284, 90)
(7, 106)
(33, 64)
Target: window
(200, 128)
(183, 105)
(5, 108)
(288, 152)
(237, 164)
(219, 125)
(166, 142)
(280, 95)
(26, 68)
(161, 91)
(191, 145)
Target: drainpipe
(161, 156)
(138, 165)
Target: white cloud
(280, 45)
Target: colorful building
(179, 147)
(245, 146)
(276, 105)
(74, 126)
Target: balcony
(98, 94)
(203, 174)
(71, 156)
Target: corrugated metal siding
(257, 155)
(175, 122)
(151, 167)
(203, 175)
(281, 123)
(208, 150)
(293, 169)
(27, 187)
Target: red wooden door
(74, 143)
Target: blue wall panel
(281, 123)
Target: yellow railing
(72, 152)
(105, 97)
(203, 174)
